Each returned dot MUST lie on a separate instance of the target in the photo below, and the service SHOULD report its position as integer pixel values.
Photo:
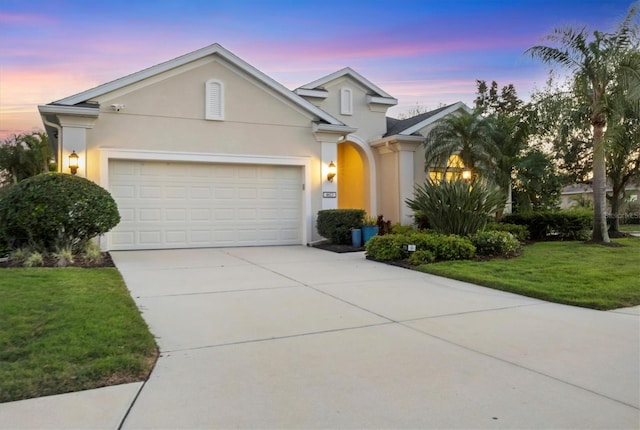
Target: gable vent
(346, 101)
(214, 100)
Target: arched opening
(353, 173)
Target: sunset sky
(422, 52)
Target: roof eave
(190, 57)
(416, 127)
(355, 75)
(56, 109)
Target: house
(206, 150)
(582, 194)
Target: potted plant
(369, 228)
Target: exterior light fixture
(73, 162)
(466, 174)
(332, 172)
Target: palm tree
(23, 156)
(465, 134)
(593, 62)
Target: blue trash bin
(356, 237)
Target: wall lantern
(73, 162)
(466, 174)
(332, 172)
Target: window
(214, 100)
(346, 101)
(452, 171)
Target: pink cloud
(24, 18)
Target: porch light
(332, 172)
(73, 162)
(466, 174)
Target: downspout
(59, 128)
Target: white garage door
(189, 205)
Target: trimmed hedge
(572, 224)
(55, 210)
(495, 243)
(437, 247)
(336, 224)
(520, 232)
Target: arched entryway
(354, 185)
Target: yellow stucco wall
(351, 174)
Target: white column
(328, 154)
(405, 184)
(406, 177)
(74, 138)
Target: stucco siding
(370, 125)
(388, 187)
(167, 113)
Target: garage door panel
(171, 205)
(176, 237)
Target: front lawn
(628, 228)
(69, 329)
(574, 273)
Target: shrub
(336, 224)
(495, 243)
(442, 247)
(456, 207)
(385, 248)
(454, 247)
(91, 252)
(573, 224)
(421, 257)
(421, 220)
(520, 232)
(401, 229)
(34, 259)
(55, 210)
(63, 256)
(632, 214)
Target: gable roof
(412, 125)
(348, 71)
(215, 49)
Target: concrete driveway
(296, 337)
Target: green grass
(629, 227)
(574, 273)
(69, 329)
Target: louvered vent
(346, 101)
(214, 100)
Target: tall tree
(537, 184)
(561, 126)
(592, 60)
(510, 119)
(488, 101)
(466, 134)
(623, 153)
(23, 156)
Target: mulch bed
(340, 249)
(78, 261)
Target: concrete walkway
(295, 337)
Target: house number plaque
(329, 194)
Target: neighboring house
(206, 150)
(580, 194)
